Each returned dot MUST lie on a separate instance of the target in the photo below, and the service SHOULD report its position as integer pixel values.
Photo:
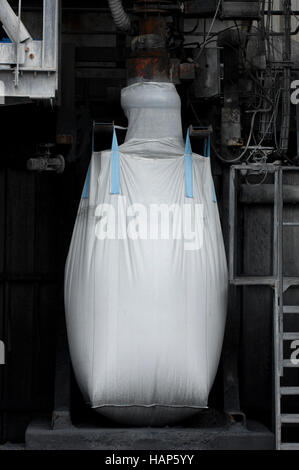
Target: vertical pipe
(286, 108)
(232, 216)
(121, 19)
(50, 34)
(16, 81)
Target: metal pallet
(280, 284)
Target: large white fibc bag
(146, 276)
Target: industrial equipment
(235, 67)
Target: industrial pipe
(121, 19)
(231, 41)
(14, 27)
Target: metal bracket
(236, 417)
(35, 74)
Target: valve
(45, 161)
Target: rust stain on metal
(152, 25)
(187, 71)
(149, 67)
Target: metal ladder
(280, 312)
(277, 281)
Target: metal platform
(40, 436)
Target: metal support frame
(12, 24)
(286, 105)
(35, 62)
(251, 280)
(277, 281)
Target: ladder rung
(289, 390)
(290, 224)
(289, 363)
(291, 309)
(290, 418)
(288, 336)
(289, 446)
(264, 280)
(253, 280)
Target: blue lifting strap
(213, 188)
(86, 185)
(188, 167)
(115, 166)
(207, 153)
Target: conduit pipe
(121, 19)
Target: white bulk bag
(146, 313)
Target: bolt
(31, 56)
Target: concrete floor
(41, 436)
(12, 446)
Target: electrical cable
(248, 140)
(209, 32)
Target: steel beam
(12, 24)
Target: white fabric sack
(145, 316)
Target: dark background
(38, 210)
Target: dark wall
(36, 218)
